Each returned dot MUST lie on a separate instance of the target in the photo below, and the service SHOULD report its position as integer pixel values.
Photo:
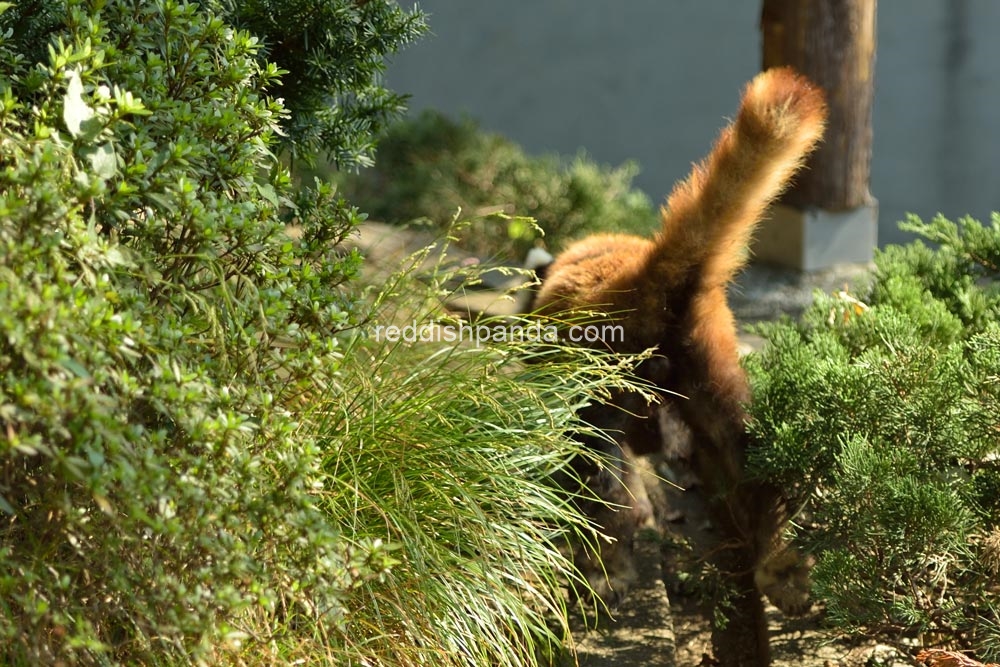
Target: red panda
(669, 293)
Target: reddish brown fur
(670, 293)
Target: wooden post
(828, 216)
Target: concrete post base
(815, 239)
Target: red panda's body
(669, 293)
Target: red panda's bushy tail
(709, 216)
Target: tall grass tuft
(445, 453)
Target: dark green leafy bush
(429, 167)
(156, 323)
(204, 458)
(881, 413)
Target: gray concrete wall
(653, 80)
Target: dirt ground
(661, 624)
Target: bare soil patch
(665, 624)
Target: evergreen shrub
(430, 166)
(155, 320)
(880, 413)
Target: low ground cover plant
(880, 412)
